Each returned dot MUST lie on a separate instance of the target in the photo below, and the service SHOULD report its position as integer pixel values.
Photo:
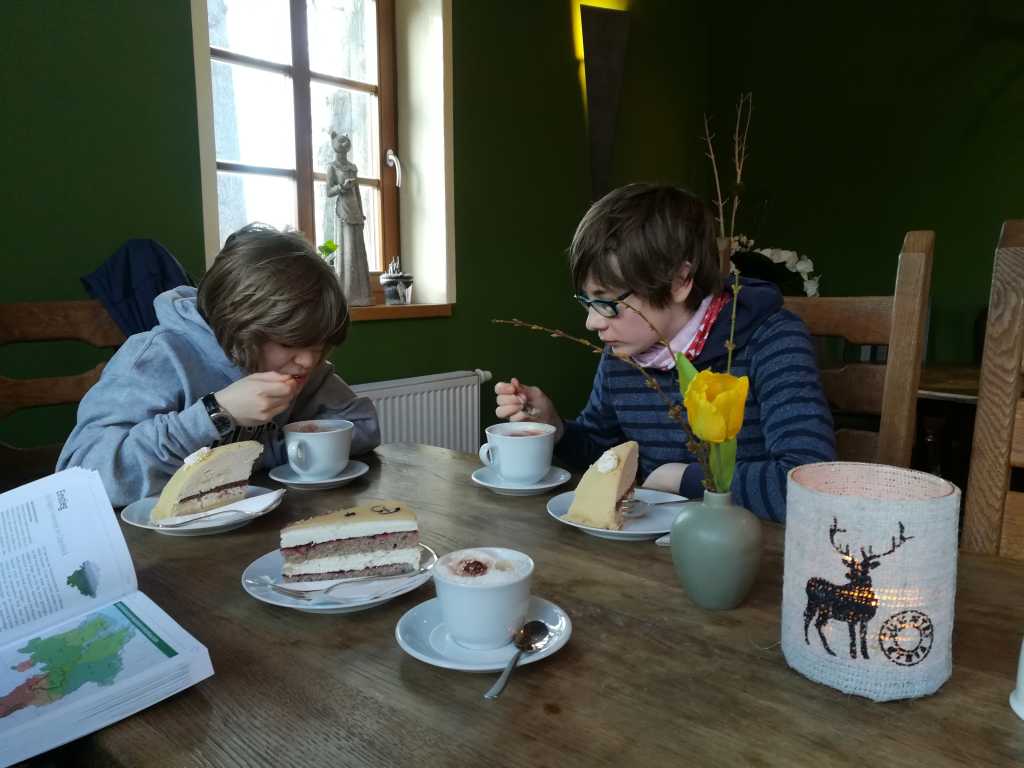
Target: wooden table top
(647, 679)
(949, 381)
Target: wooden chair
(887, 390)
(993, 514)
(85, 321)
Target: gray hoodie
(145, 415)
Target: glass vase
(716, 551)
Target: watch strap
(221, 419)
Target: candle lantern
(870, 578)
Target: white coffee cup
(485, 610)
(318, 449)
(519, 450)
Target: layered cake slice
(603, 487)
(377, 538)
(210, 477)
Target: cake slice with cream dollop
(609, 480)
(376, 538)
(209, 478)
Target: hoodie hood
(758, 300)
(177, 312)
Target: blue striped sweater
(786, 422)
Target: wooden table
(950, 382)
(647, 679)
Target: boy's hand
(258, 398)
(667, 477)
(518, 402)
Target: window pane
(328, 226)
(343, 38)
(253, 116)
(243, 198)
(258, 28)
(350, 112)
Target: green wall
(99, 145)
(107, 150)
(872, 120)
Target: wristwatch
(221, 419)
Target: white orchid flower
(811, 285)
(804, 266)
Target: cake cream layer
(208, 501)
(355, 562)
(370, 518)
(383, 541)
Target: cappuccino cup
(484, 594)
(318, 449)
(520, 451)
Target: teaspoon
(531, 637)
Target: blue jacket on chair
(127, 282)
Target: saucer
(285, 475)
(137, 514)
(357, 596)
(422, 634)
(488, 477)
(656, 523)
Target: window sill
(400, 311)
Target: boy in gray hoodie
(236, 360)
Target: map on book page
(97, 649)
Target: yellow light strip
(577, 34)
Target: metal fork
(214, 513)
(634, 507)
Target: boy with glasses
(645, 255)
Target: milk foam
(503, 566)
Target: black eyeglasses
(603, 307)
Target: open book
(80, 646)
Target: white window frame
(423, 32)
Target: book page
(93, 670)
(61, 552)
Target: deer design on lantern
(854, 602)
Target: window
(285, 74)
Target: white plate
(422, 634)
(657, 522)
(357, 596)
(285, 475)
(488, 478)
(137, 514)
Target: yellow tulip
(714, 404)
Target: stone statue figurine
(342, 181)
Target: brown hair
(638, 237)
(267, 285)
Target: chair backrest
(887, 390)
(85, 321)
(993, 514)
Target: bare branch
(739, 152)
(719, 202)
(674, 411)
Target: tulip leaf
(722, 458)
(687, 372)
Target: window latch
(392, 160)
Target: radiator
(443, 409)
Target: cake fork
(634, 507)
(214, 513)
